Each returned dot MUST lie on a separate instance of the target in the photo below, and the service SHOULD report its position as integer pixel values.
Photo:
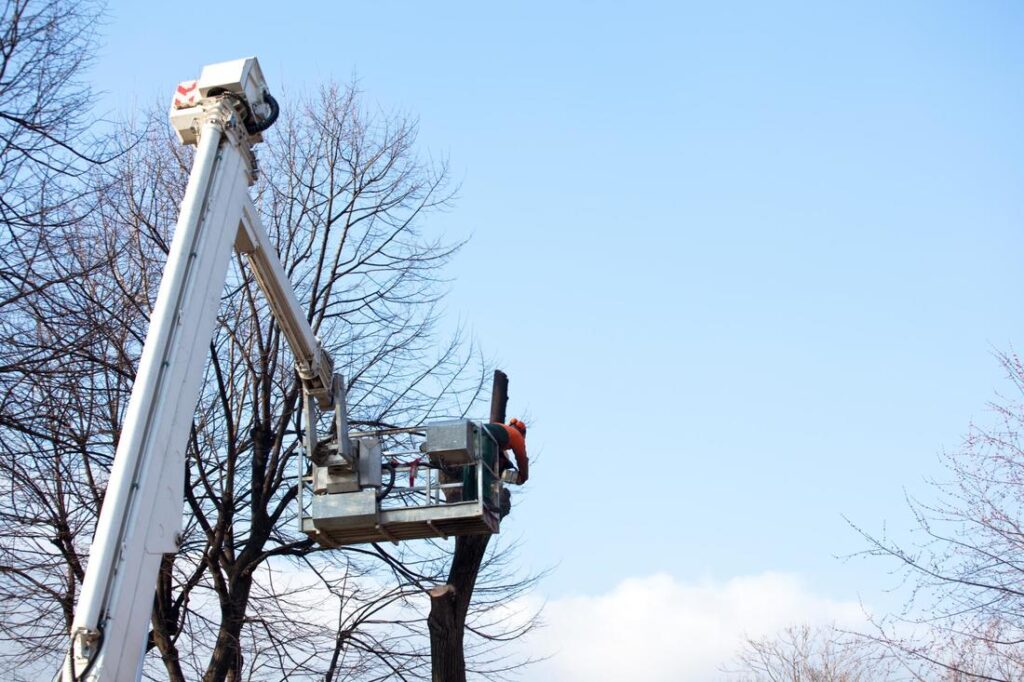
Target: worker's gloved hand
(513, 476)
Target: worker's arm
(518, 445)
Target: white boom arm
(141, 518)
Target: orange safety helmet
(518, 425)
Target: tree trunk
(499, 397)
(227, 660)
(449, 603)
(165, 622)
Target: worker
(512, 436)
(508, 437)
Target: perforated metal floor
(439, 521)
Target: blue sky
(756, 258)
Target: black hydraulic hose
(252, 126)
(275, 111)
(391, 482)
(92, 660)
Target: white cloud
(657, 628)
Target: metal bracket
(341, 419)
(86, 639)
(325, 454)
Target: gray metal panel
(334, 480)
(451, 442)
(345, 510)
(369, 462)
(340, 478)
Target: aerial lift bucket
(438, 481)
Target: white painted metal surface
(142, 510)
(241, 76)
(313, 364)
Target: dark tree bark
(449, 603)
(165, 622)
(499, 397)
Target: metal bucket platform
(420, 501)
(396, 525)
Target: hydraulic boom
(224, 114)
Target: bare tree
(812, 654)
(344, 195)
(964, 618)
(45, 141)
(69, 374)
(46, 148)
